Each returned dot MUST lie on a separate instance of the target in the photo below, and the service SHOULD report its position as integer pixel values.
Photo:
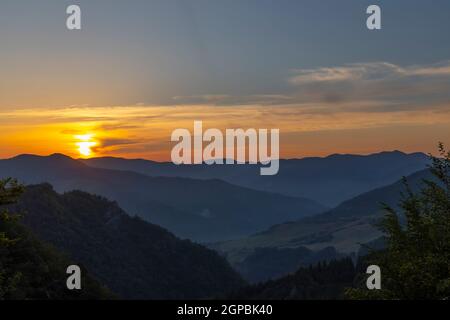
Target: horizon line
(165, 162)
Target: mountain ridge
(327, 180)
(379, 153)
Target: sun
(85, 144)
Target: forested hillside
(327, 280)
(133, 258)
(31, 269)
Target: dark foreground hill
(31, 269)
(200, 210)
(135, 259)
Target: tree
(416, 261)
(10, 191)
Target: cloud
(199, 99)
(352, 72)
(373, 71)
(356, 87)
(110, 144)
(117, 126)
(234, 100)
(387, 86)
(372, 87)
(442, 69)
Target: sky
(139, 69)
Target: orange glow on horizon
(144, 131)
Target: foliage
(270, 263)
(416, 261)
(30, 269)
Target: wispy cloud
(373, 71)
(206, 98)
(388, 86)
(357, 87)
(233, 100)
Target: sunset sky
(139, 69)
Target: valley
(345, 228)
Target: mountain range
(329, 180)
(263, 226)
(201, 210)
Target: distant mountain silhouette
(135, 259)
(202, 210)
(328, 180)
(344, 228)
